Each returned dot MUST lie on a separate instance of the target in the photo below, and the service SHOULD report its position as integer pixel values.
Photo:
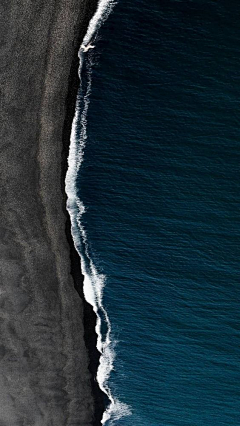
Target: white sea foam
(93, 281)
(103, 11)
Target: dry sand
(44, 358)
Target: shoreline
(48, 354)
(90, 335)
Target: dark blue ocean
(161, 185)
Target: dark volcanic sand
(45, 375)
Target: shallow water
(160, 184)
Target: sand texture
(44, 375)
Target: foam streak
(93, 281)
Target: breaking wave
(93, 281)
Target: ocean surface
(158, 209)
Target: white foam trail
(93, 281)
(103, 11)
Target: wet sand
(48, 355)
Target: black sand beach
(48, 356)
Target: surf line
(94, 282)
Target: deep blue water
(160, 180)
